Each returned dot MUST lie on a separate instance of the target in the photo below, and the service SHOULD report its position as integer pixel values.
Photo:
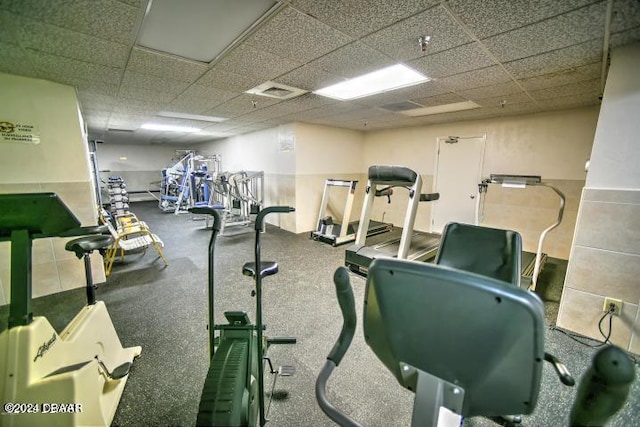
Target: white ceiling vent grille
(276, 90)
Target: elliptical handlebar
(344, 292)
(259, 224)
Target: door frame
(440, 140)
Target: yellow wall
(605, 257)
(59, 163)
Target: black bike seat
(267, 268)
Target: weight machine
(189, 181)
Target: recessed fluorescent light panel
(173, 115)
(200, 30)
(383, 80)
(169, 128)
(438, 109)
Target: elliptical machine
(233, 392)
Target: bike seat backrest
(267, 268)
(488, 251)
(462, 327)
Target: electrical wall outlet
(616, 302)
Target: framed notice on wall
(18, 132)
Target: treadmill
(336, 233)
(532, 263)
(401, 243)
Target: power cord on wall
(607, 337)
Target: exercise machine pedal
(286, 370)
(118, 373)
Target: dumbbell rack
(118, 196)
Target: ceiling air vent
(401, 106)
(277, 90)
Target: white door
(458, 169)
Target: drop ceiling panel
(352, 60)
(360, 17)
(477, 78)
(578, 74)
(71, 44)
(625, 16)
(400, 41)
(572, 101)
(73, 69)
(14, 61)
(625, 37)
(556, 60)
(460, 59)
(500, 89)
(589, 88)
(158, 64)
(508, 100)
(133, 80)
(301, 103)
(84, 16)
(228, 81)
(490, 17)
(133, 92)
(198, 98)
(308, 78)
(562, 31)
(250, 61)
(445, 98)
(240, 105)
(297, 36)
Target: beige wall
(141, 168)
(324, 152)
(605, 256)
(272, 151)
(554, 145)
(59, 163)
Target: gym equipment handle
(603, 389)
(344, 292)
(561, 370)
(206, 210)
(271, 209)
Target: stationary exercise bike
(233, 392)
(69, 379)
(465, 343)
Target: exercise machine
(461, 367)
(82, 370)
(233, 392)
(532, 263)
(337, 233)
(411, 245)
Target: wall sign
(18, 132)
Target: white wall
(615, 158)
(58, 164)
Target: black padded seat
(492, 252)
(87, 244)
(267, 268)
(392, 174)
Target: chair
(129, 234)
(487, 251)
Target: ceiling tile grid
(85, 16)
(477, 78)
(309, 78)
(249, 61)
(297, 36)
(198, 98)
(14, 61)
(352, 60)
(578, 74)
(360, 17)
(487, 18)
(400, 41)
(457, 60)
(163, 65)
(556, 60)
(576, 27)
(60, 41)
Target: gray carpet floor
(164, 310)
